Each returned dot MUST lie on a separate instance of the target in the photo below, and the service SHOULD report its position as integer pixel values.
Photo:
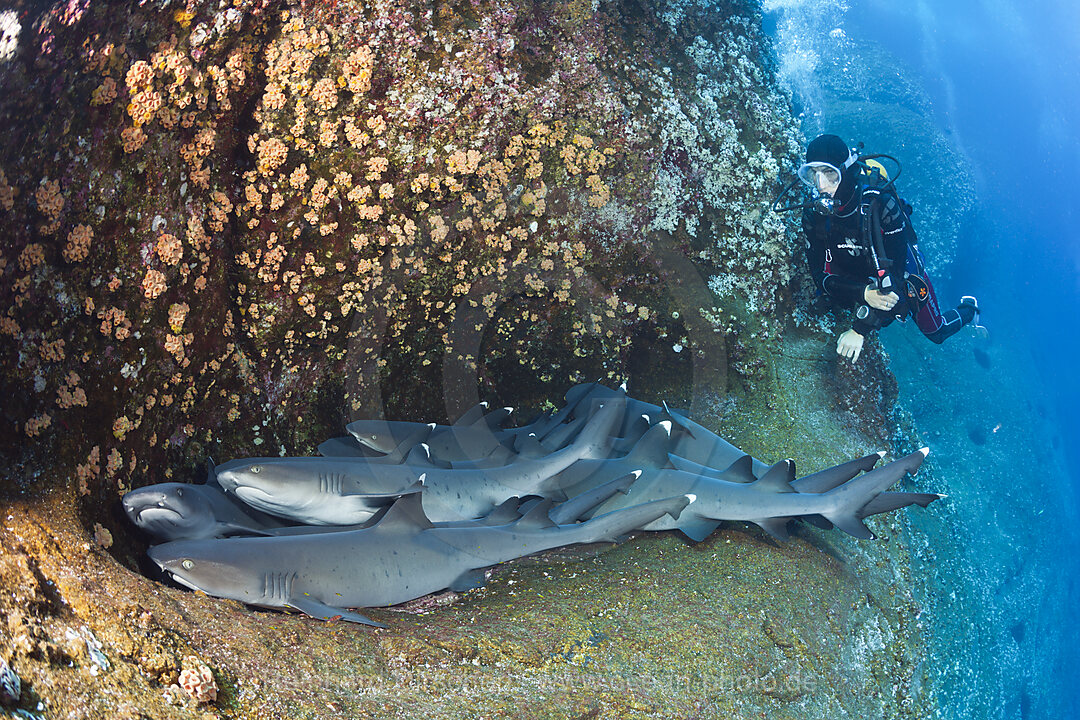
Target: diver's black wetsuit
(842, 265)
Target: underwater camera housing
(810, 198)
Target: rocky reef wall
(229, 229)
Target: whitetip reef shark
(401, 557)
(379, 518)
(345, 491)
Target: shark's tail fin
(856, 494)
(595, 439)
(889, 501)
(829, 478)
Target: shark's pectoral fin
(231, 528)
(852, 525)
(310, 606)
(469, 580)
(776, 527)
(697, 528)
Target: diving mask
(820, 177)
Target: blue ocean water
(985, 94)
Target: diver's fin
(697, 528)
(310, 606)
(776, 527)
(469, 580)
(777, 478)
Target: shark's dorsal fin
(575, 394)
(742, 470)
(528, 446)
(420, 456)
(505, 513)
(537, 518)
(472, 415)
(678, 420)
(407, 510)
(409, 443)
(497, 417)
(211, 473)
(652, 449)
(777, 479)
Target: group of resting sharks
(397, 510)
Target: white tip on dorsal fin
(422, 479)
(777, 478)
(925, 451)
(623, 386)
(691, 497)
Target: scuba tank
(873, 173)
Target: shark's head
(170, 511)
(374, 434)
(212, 566)
(267, 484)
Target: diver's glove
(849, 345)
(879, 300)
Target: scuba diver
(862, 249)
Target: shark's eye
(188, 564)
(179, 492)
(374, 436)
(256, 469)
